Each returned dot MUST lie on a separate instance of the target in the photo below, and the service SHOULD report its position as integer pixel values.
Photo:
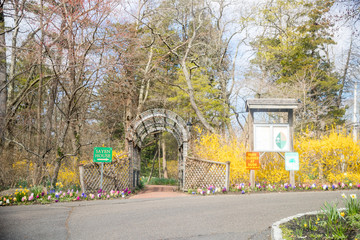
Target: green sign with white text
(102, 154)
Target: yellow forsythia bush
(216, 148)
(333, 157)
(272, 169)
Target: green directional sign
(102, 154)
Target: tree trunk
(187, 75)
(159, 150)
(152, 168)
(164, 158)
(3, 80)
(60, 154)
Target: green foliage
(352, 204)
(160, 181)
(354, 221)
(331, 213)
(37, 190)
(292, 53)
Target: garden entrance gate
(151, 121)
(124, 171)
(192, 172)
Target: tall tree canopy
(292, 55)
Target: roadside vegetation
(330, 223)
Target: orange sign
(252, 161)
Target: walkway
(159, 191)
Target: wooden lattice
(115, 177)
(203, 173)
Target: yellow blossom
(342, 214)
(353, 196)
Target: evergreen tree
(293, 56)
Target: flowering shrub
(332, 157)
(328, 159)
(216, 148)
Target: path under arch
(159, 191)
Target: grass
(159, 181)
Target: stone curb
(276, 232)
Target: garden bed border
(276, 232)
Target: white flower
(0, 202)
(350, 184)
(343, 195)
(353, 196)
(7, 201)
(208, 192)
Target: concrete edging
(276, 232)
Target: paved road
(228, 216)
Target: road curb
(276, 232)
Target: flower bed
(41, 195)
(265, 187)
(330, 223)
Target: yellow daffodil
(343, 195)
(342, 214)
(305, 225)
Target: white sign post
(292, 164)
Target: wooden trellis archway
(151, 121)
(124, 172)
